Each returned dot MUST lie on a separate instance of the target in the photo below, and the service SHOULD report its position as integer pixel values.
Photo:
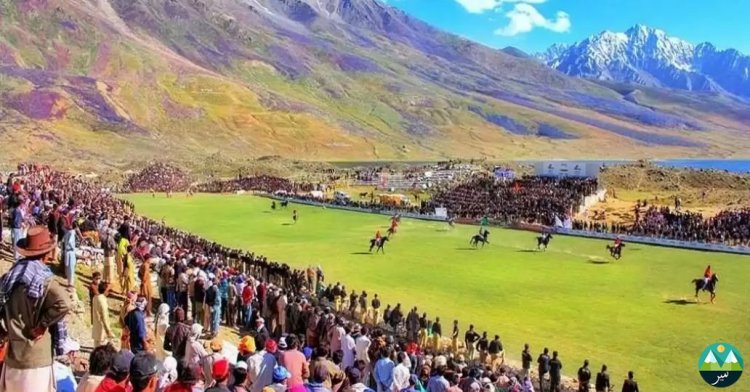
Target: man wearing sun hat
(32, 304)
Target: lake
(731, 165)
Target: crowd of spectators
(730, 227)
(529, 199)
(299, 333)
(268, 184)
(158, 177)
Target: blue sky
(533, 25)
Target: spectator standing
(69, 252)
(33, 302)
(266, 367)
(555, 369)
(482, 346)
(294, 361)
(437, 382)
(544, 367)
(16, 227)
(147, 289)
(437, 334)
(161, 324)
(470, 340)
(526, 361)
(497, 357)
(602, 381)
(176, 337)
(127, 278)
(401, 372)
(630, 385)
(384, 372)
(109, 247)
(454, 338)
(101, 332)
(584, 377)
(136, 323)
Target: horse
(543, 240)
(379, 244)
(615, 251)
(700, 284)
(284, 203)
(362, 195)
(391, 231)
(477, 238)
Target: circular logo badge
(720, 365)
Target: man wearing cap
(136, 323)
(220, 375)
(32, 302)
(265, 368)
(116, 379)
(64, 379)
(280, 380)
(188, 375)
(261, 332)
(246, 348)
(208, 361)
(143, 372)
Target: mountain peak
(648, 56)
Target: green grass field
(636, 314)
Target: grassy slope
(613, 312)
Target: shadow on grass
(527, 251)
(286, 224)
(467, 248)
(680, 302)
(598, 262)
(361, 253)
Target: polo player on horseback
(707, 275)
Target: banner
(567, 169)
(441, 212)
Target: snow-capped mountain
(648, 56)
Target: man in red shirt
(248, 294)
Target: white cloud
(480, 6)
(524, 18)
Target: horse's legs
(713, 296)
